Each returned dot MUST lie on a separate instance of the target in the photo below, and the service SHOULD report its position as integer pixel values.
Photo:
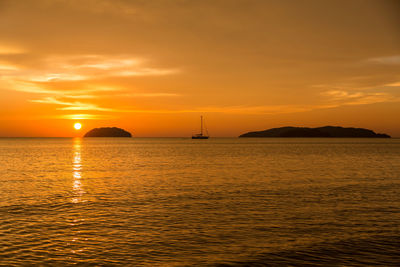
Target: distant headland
(327, 131)
(108, 132)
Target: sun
(77, 126)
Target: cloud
(7, 67)
(84, 117)
(395, 84)
(77, 105)
(50, 77)
(11, 50)
(82, 68)
(35, 88)
(86, 92)
(342, 97)
(95, 62)
(149, 95)
(390, 60)
(250, 110)
(336, 98)
(77, 68)
(70, 105)
(341, 94)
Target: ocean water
(183, 202)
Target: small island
(108, 132)
(327, 131)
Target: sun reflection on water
(77, 171)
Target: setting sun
(77, 126)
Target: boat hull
(199, 137)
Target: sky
(154, 67)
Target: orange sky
(153, 67)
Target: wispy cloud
(149, 95)
(335, 98)
(82, 71)
(96, 62)
(10, 50)
(70, 105)
(250, 110)
(395, 84)
(83, 68)
(362, 90)
(341, 94)
(84, 117)
(43, 89)
(341, 97)
(84, 91)
(389, 60)
(7, 67)
(51, 77)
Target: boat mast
(201, 123)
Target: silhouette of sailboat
(200, 135)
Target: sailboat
(200, 135)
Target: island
(108, 132)
(327, 131)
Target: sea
(184, 202)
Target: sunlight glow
(77, 126)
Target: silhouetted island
(108, 132)
(327, 131)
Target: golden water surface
(172, 201)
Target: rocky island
(327, 131)
(108, 132)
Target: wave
(372, 251)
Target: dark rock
(327, 131)
(108, 132)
